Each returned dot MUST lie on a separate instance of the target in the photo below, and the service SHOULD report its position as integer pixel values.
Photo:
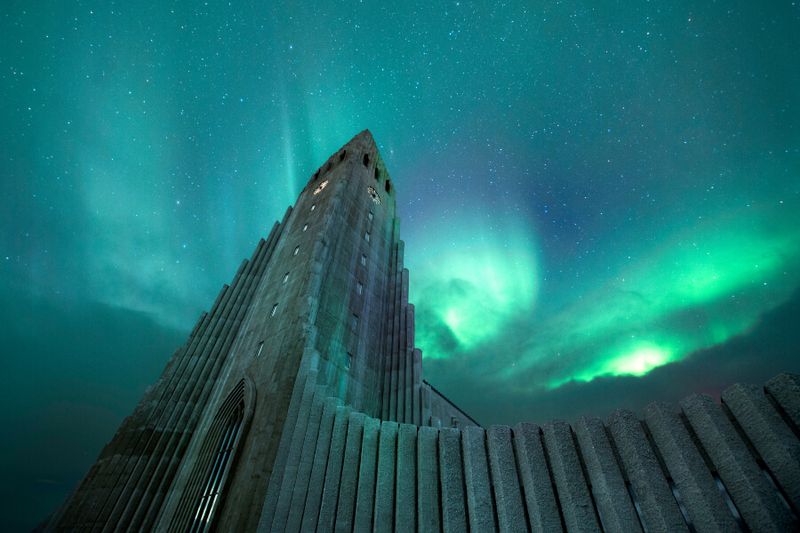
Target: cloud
(73, 371)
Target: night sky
(600, 200)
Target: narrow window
(363, 260)
(370, 216)
(366, 236)
(328, 167)
(286, 277)
(260, 349)
(377, 174)
(359, 288)
(296, 249)
(366, 160)
(388, 186)
(316, 175)
(342, 155)
(221, 443)
(313, 206)
(274, 310)
(320, 187)
(355, 322)
(348, 360)
(305, 227)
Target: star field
(600, 201)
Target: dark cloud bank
(71, 373)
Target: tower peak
(363, 137)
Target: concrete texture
(348, 486)
(659, 510)
(707, 510)
(573, 493)
(608, 486)
(320, 465)
(406, 479)
(333, 475)
(316, 417)
(785, 389)
(540, 500)
(385, 489)
(428, 497)
(365, 498)
(454, 503)
(507, 486)
(777, 445)
(751, 491)
(480, 501)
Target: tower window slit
(388, 186)
(296, 250)
(370, 215)
(201, 515)
(210, 496)
(221, 458)
(286, 277)
(274, 310)
(366, 236)
(313, 206)
(377, 174)
(363, 260)
(366, 160)
(260, 349)
(342, 155)
(359, 288)
(305, 227)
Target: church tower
(297, 404)
(319, 313)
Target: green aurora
(600, 200)
(700, 287)
(468, 302)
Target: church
(298, 403)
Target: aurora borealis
(600, 201)
(695, 291)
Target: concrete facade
(297, 404)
